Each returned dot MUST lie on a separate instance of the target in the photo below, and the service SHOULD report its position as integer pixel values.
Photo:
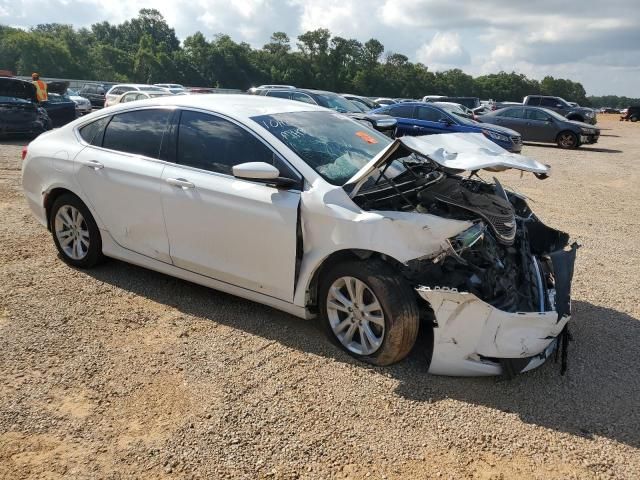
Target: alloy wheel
(72, 232)
(567, 140)
(355, 315)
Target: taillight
(24, 152)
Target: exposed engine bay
(507, 258)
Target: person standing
(41, 88)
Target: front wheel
(369, 310)
(567, 140)
(75, 232)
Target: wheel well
(333, 259)
(50, 198)
(565, 131)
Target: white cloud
(443, 51)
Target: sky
(594, 42)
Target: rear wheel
(75, 232)
(567, 140)
(634, 118)
(369, 311)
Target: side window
(402, 111)
(532, 114)
(139, 132)
(278, 93)
(548, 102)
(533, 101)
(302, 97)
(429, 114)
(215, 144)
(116, 91)
(512, 113)
(94, 132)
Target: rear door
(512, 118)
(405, 116)
(120, 174)
(237, 231)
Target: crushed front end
(500, 290)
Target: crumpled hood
(13, 87)
(455, 151)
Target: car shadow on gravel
(579, 149)
(598, 396)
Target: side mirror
(262, 172)
(446, 121)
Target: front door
(540, 126)
(121, 177)
(236, 231)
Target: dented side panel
(469, 329)
(332, 222)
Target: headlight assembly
(495, 136)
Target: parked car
(172, 87)
(456, 109)
(261, 88)
(366, 102)
(83, 105)
(385, 101)
(500, 105)
(382, 123)
(564, 108)
(60, 108)
(136, 95)
(20, 112)
(116, 91)
(632, 114)
(378, 238)
(421, 118)
(469, 102)
(95, 93)
(537, 124)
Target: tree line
(146, 49)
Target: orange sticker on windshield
(366, 137)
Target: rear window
(139, 132)
(94, 132)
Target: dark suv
(632, 114)
(94, 92)
(385, 124)
(564, 108)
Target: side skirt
(111, 249)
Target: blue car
(419, 118)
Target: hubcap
(72, 232)
(566, 140)
(355, 316)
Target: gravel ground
(120, 372)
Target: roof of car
(237, 106)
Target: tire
(634, 119)
(75, 232)
(383, 341)
(567, 140)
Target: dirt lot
(121, 372)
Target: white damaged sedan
(308, 211)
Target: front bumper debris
(471, 336)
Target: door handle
(180, 182)
(96, 165)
